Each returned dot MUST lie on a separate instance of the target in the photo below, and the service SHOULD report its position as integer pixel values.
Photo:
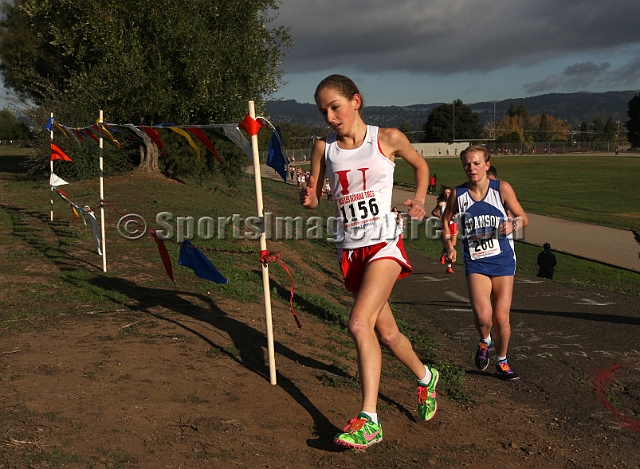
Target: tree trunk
(149, 157)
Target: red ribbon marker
(267, 257)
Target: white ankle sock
(427, 377)
(373, 416)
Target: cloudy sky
(402, 52)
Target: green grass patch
(594, 189)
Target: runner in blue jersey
(489, 215)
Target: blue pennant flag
(191, 257)
(276, 159)
(49, 125)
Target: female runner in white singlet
(358, 161)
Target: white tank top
(361, 181)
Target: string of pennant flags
(190, 256)
(229, 132)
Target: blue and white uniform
(485, 251)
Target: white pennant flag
(56, 181)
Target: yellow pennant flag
(189, 139)
(61, 128)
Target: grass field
(15, 151)
(600, 189)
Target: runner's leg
(502, 293)
(479, 288)
(377, 283)
(397, 342)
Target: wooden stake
(263, 247)
(102, 220)
(51, 166)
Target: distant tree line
(516, 127)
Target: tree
(598, 128)
(633, 124)
(189, 62)
(609, 130)
(513, 128)
(439, 126)
(546, 128)
(405, 128)
(11, 128)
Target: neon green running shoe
(427, 405)
(360, 433)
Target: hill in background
(571, 107)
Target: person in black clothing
(546, 262)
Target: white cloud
(550, 83)
(580, 76)
(627, 75)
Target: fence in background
(541, 148)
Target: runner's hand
(451, 255)
(507, 227)
(416, 209)
(308, 195)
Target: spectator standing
(546, 262)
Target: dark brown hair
(343, 85)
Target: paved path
(608, 245)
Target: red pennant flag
(200, 135)
(57, 154)
(155, 137)
(164, 255)
(78, 134)
(250, 125)
(90, 135)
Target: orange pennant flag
(58, 154)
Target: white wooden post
(263, 247)
(51, 166)
(102, 220)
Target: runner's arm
(449, 212)
(520, 218)
(396, 144)
(311, 194)
(436, 211)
